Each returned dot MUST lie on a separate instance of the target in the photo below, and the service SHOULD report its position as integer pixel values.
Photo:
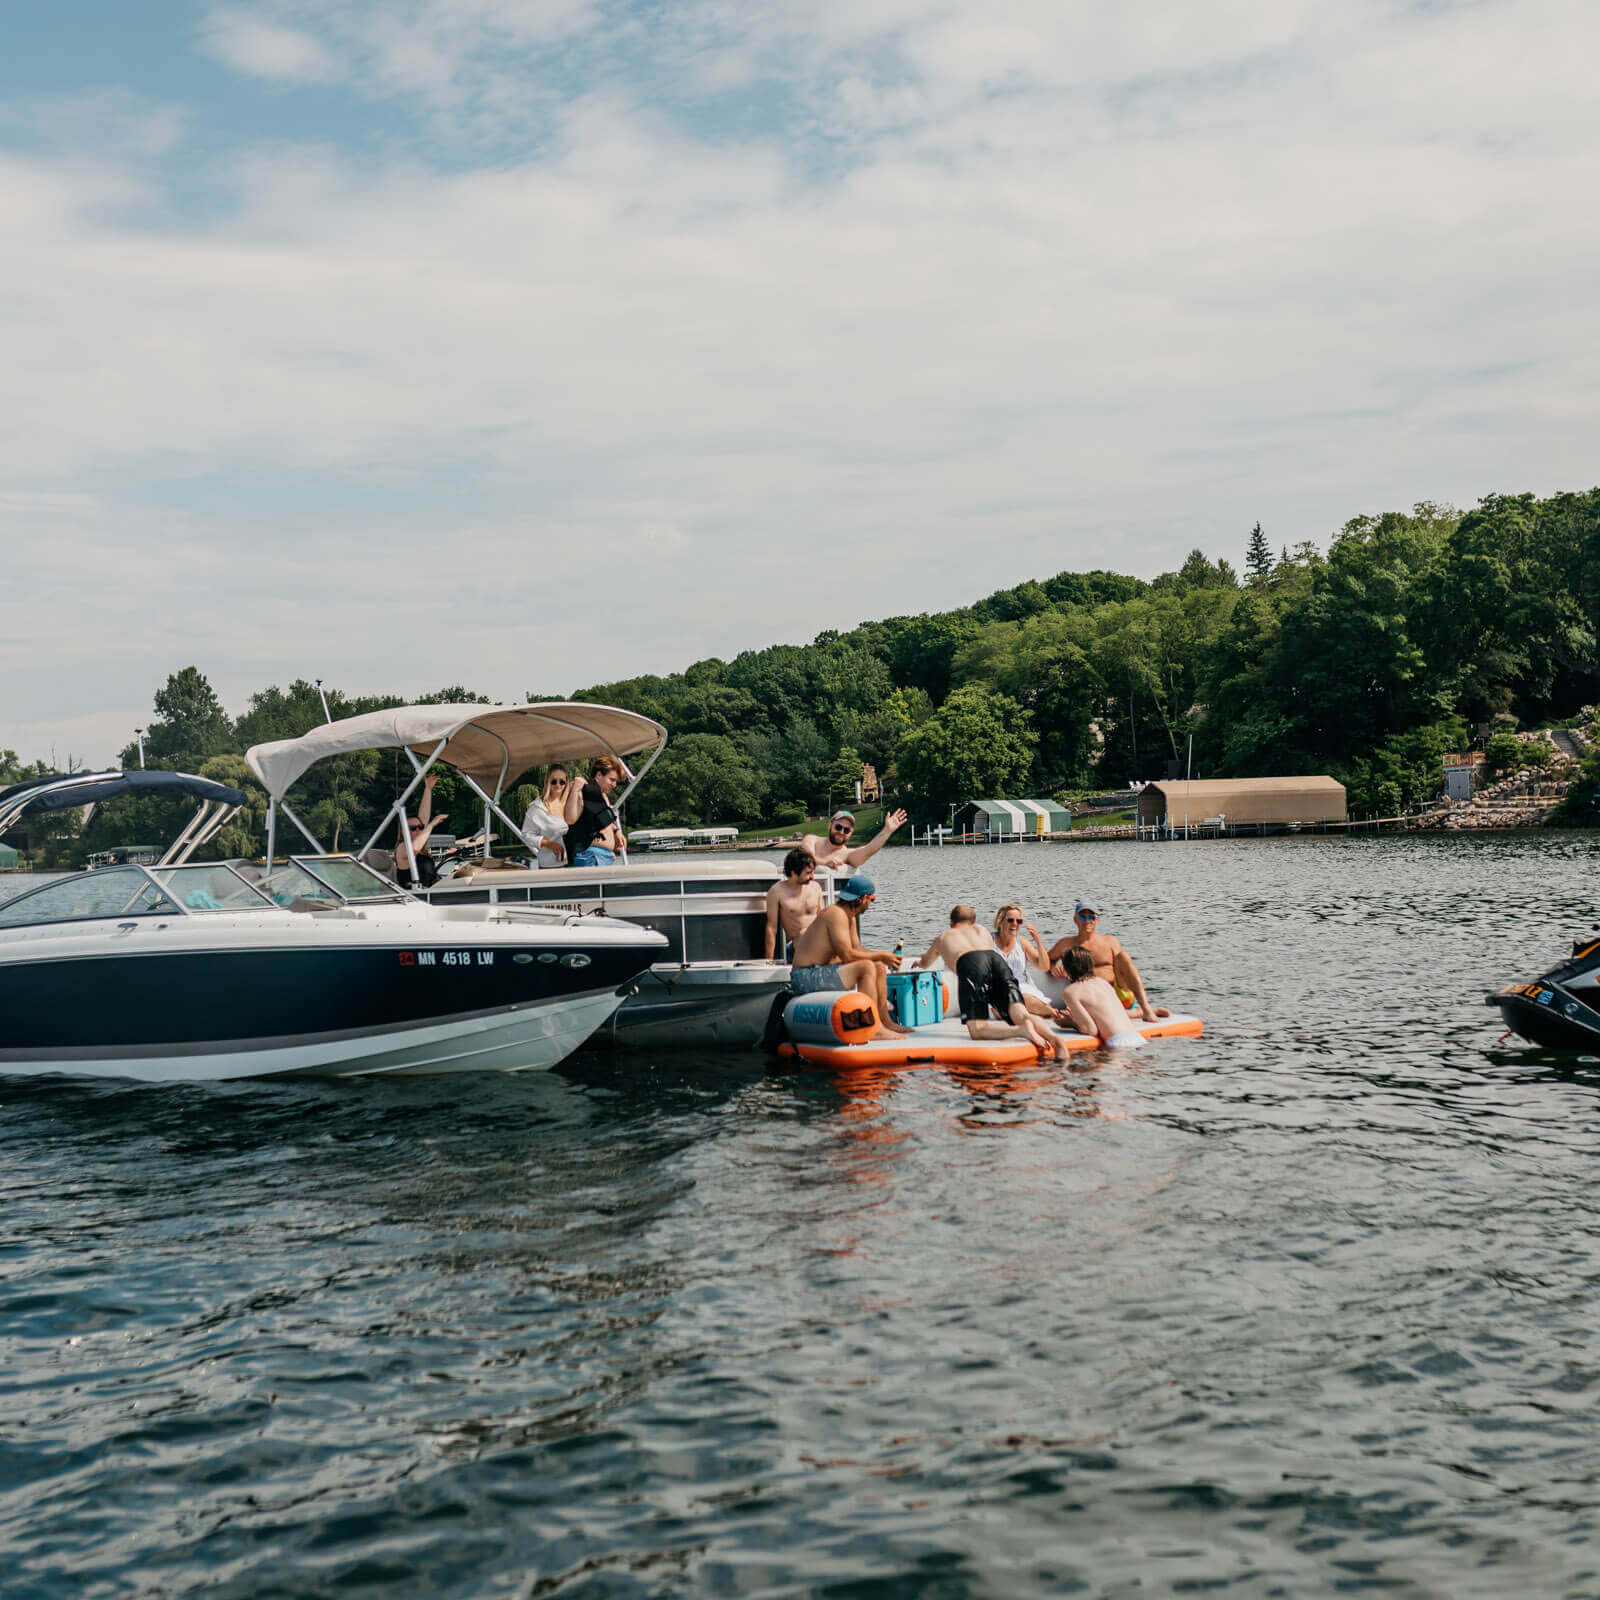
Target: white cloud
(265, 49)
(1085, 288)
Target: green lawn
(1104, 819)
(868, 820)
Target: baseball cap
(857, 887)
(1087, 904)
(848, 816)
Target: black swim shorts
(982, 980)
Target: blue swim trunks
(815, 980)
(595, 856)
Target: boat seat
(380, 861)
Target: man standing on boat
(795, 901)
(1111, 961)
(829, 955)
(836, 853)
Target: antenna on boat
(327, 716)
(138, 734)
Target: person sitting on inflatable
(1112, 964)
(1095, 1006)
(984, 981)
(829, 954)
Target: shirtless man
(829, 954)
(1094, 1006)
(795, 900)
(1112, 963)
(836, 852)
(984, 980)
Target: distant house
(1011, 818)
(1193, 803)
(868, 789)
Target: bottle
(899, 949)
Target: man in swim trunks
(1112, 964)
(1094, 1006)
(829, 954)
(836, 853)
(795, 900)
(984, 981)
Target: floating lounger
(948, 1043)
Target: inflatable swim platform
(835, 1030)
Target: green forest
(1366, 661)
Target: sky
(528, 344)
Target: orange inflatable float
(827, 1019)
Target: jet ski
(1561, 1009)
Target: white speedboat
(711, 986)
(193, 972)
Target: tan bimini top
(490, 744)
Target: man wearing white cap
(836, 853)
(1111, 961)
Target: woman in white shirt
(1024, 955)
(544, 820)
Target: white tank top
(1018, 963)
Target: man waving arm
(895, 819)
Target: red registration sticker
(408, 958)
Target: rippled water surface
(1305, 1306)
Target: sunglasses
(1087, 916)
(1013, 922)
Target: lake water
(1306, 1306)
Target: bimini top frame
(489, 746)
(219, 803)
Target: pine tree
(1257, 557)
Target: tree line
(1367, 661)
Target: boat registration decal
(447, 958)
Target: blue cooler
(916, 998)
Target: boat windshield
(87, 896)
(209, 888)
(335, 880)
(347, 877)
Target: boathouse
(1241, 802)
(1001, 819)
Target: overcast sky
(526, 343)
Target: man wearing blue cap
(1111, 961)
(829, 954)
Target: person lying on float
(985, 985)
